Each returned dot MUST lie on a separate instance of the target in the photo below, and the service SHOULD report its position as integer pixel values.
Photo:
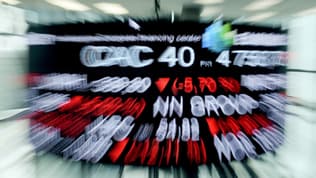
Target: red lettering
(133, 107)
(203, 152)
(102, 108)
(212, 126)
(113, 106)
(153, 153)
(188, 85)
(229, 84)
(116, 151)
(176, 87)
(207, 82)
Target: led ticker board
(167, 94)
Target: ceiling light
(10, 2)
(238, 20)
(204, 2)
(261, 4)
(69, 5)
(260, 16)
(111, 8)
(306, 12)
(209, 11)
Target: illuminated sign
(154, 96)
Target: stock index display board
(162, 94)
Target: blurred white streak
(261, 4)
(306, 12)
(111, 8)
(260, 16)
(69, 5)
(210, 11)
(11, 2)
(207, 2)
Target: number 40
(171, 57)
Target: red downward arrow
(161, 83)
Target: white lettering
(171, 57)
(162, 130)
(223, 58)
(123, 85)
(92, 56)
(222, 147)
(162, 107)
(197, 106)
(260, 58)
(260, 39)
